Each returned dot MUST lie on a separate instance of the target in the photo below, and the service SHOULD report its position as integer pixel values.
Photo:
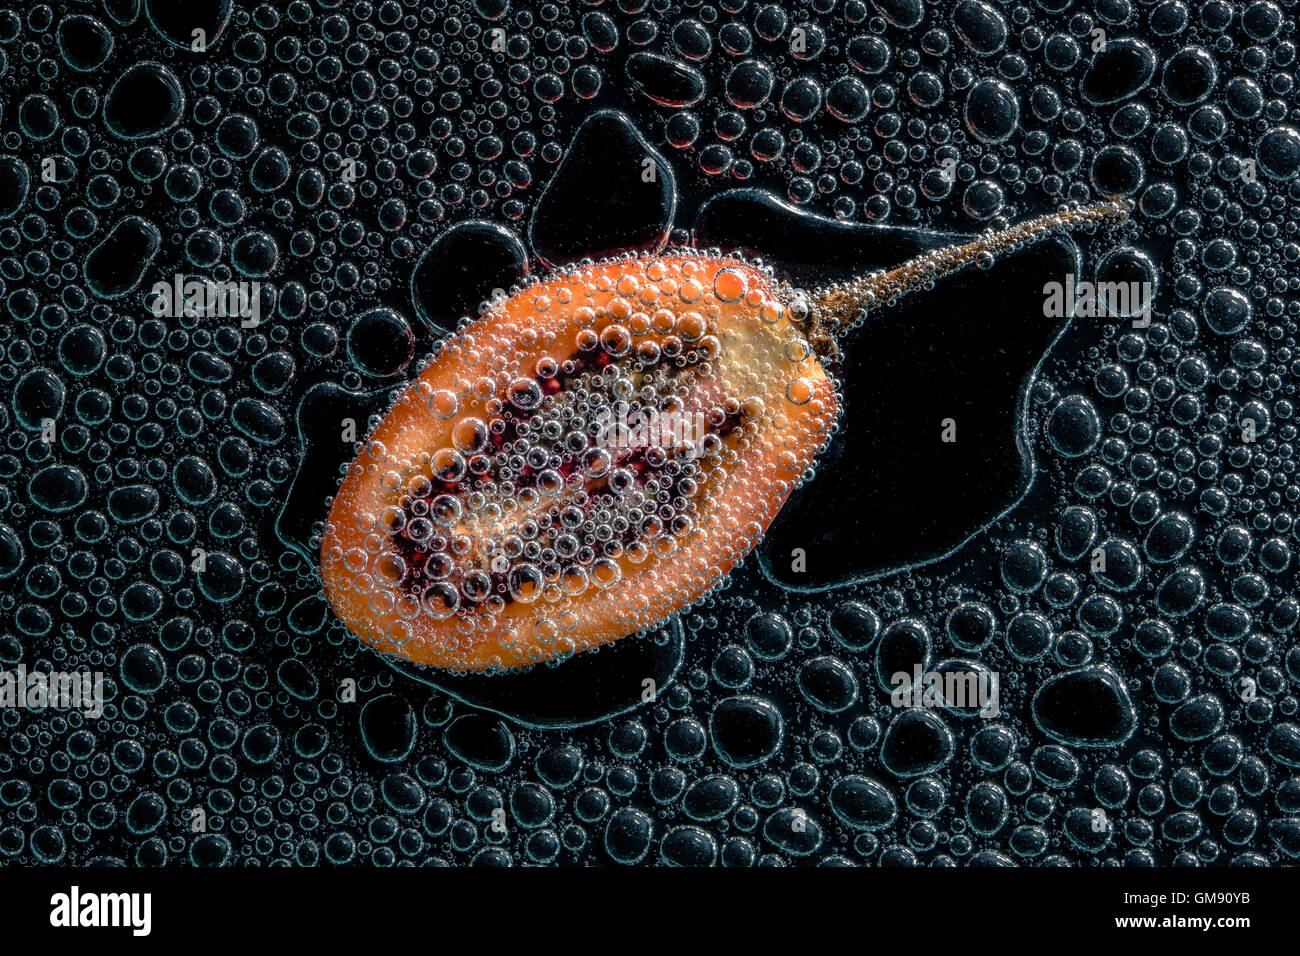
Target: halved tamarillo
(597, 451)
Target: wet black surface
(381, 168)
(632, 210)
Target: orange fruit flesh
(590, 456)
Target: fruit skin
(760, 355)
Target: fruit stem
(835, 310)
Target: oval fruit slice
(590, 456)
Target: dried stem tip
(836, 309)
